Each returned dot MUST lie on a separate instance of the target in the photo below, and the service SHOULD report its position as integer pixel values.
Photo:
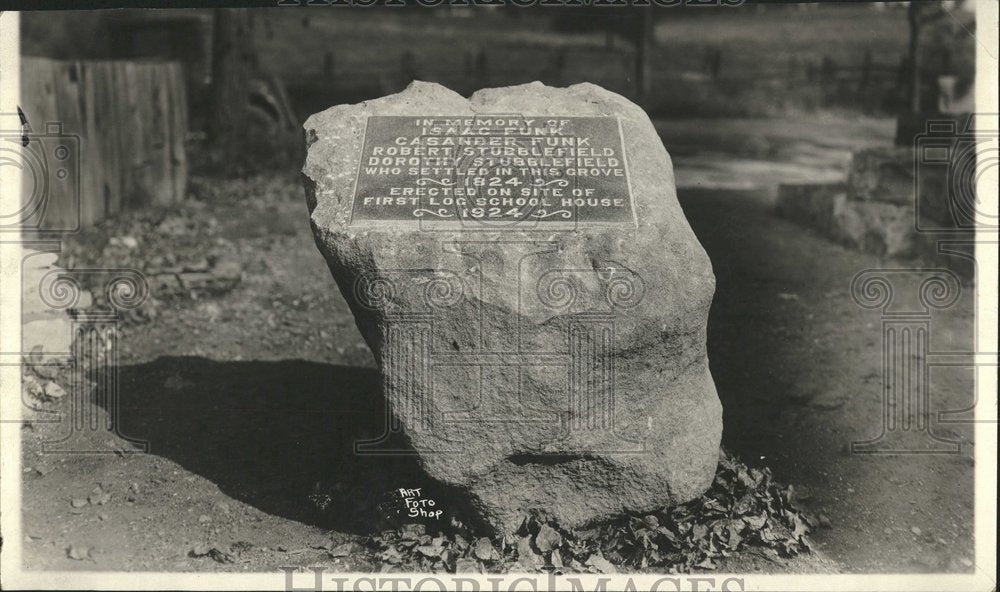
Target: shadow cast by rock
(276, 435)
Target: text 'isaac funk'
(491, 126)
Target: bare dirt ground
(249, 402)
(798, 365)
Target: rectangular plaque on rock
(493, 171)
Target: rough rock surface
(885, 229)
(882, 174)
(563, 371)
(813, 205)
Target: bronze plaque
(493, 171)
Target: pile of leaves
(743, 511)
(186, 250)
(43, 382)
(145, 238)
(412, 548)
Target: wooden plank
(32, 101)
(49, 202)
(179, 130)
(141, 121)
(124, 141)
(132, 136)
(38, 91)
(105, 116)
(160, 169)
(68, 181)
(94, 173)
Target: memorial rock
(533, 295)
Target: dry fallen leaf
(345, 550)
(547, 538)
(526, 556)
(220, 556)
(412, 531)
(601, 564)
(466, 565)
(484, 549)
(555, 558)
(99, 499)
(706, 564)
(78, 552)
(54, 391)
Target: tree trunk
(643, 57)
(232, 67)
(913, 16)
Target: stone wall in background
(901, 202)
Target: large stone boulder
(545, 366)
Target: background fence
(127, 122)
